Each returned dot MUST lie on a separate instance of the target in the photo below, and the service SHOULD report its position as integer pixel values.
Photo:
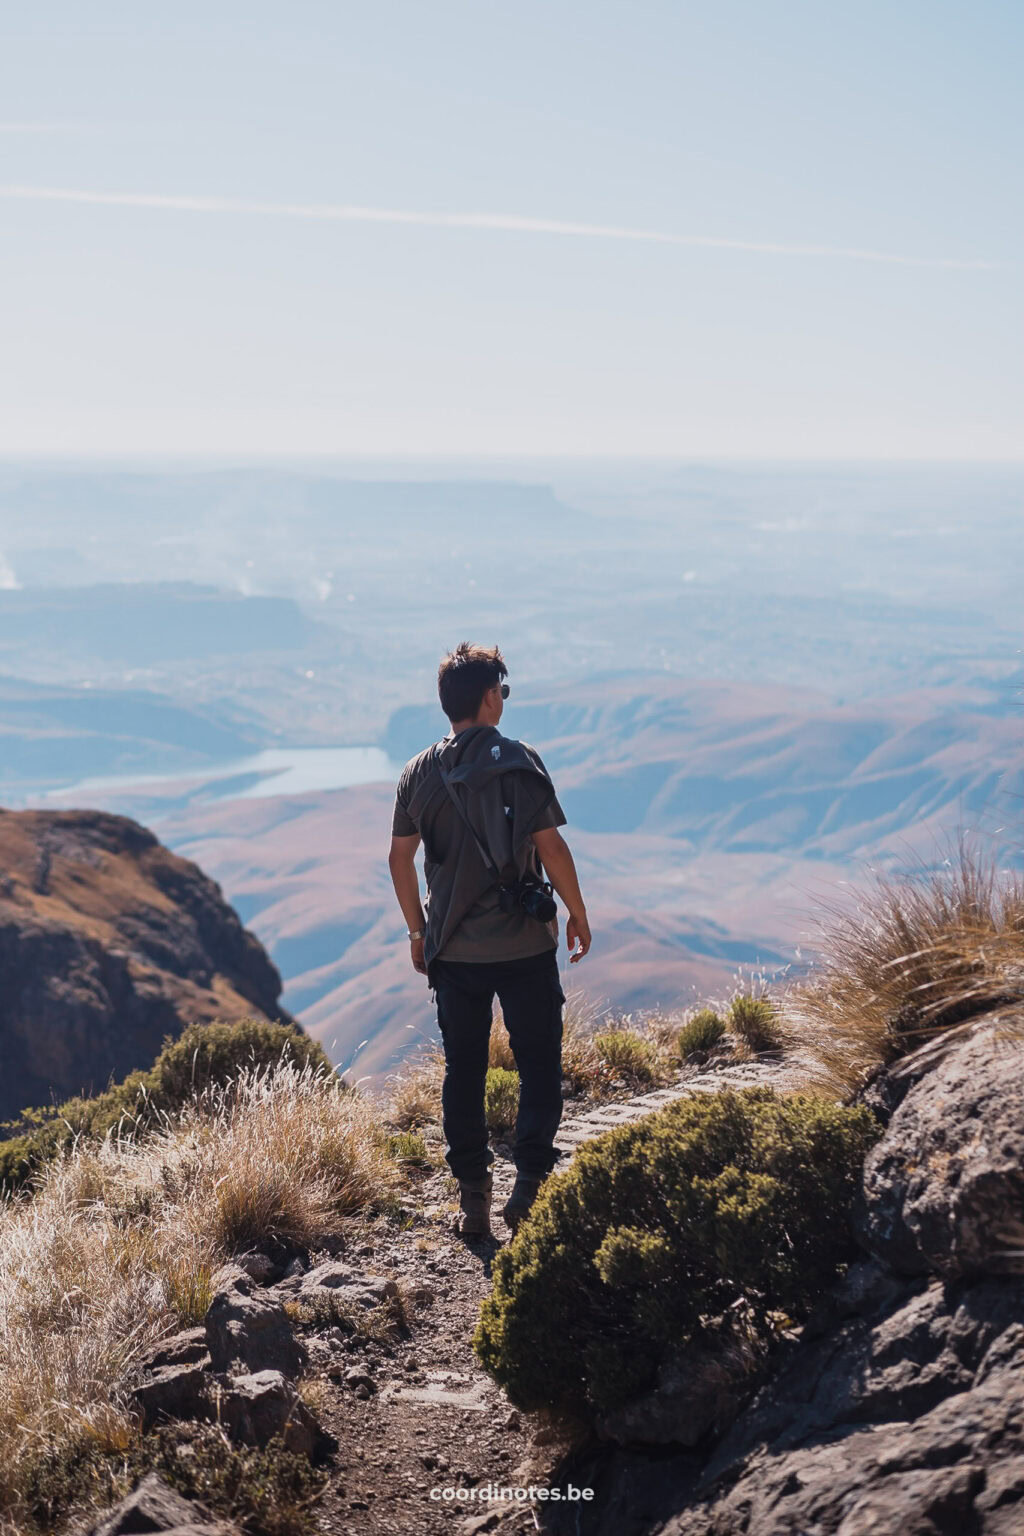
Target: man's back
(455, 875)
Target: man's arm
(406, 881)
(561, 871)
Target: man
(486, 811)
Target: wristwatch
(418, 933)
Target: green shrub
(702, 1033)
(756, 1021)
(501, 1098)
(658, 1229)
(407, 1147)
(202, 1056)
(627, 1054)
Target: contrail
(513, 223)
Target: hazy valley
(749, 686)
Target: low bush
(659, 1229)
(701, 1033)
(268, 1492)
(407, 1147)
(756, 1022)
(203, 1056)
(501, 1099)
(628, 1055)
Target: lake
(274, 771)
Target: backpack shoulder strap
(489, 863)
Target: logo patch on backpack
(495, 753)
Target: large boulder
(248, 1332)
(944, 1188)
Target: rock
(477, 1524)
(185, 1348)
(866, 1290)
(153, 1506)
(944, 1188)
(295, 1270)
(917, 1504)
(259, 1267)
(882, 1427)
(349, 1286)
(255, 1407)
(249, 1331)
(174, 1392)
(513, 1421)
(698, 1389)
(355, 1376)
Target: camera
(531, 896)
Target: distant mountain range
(708, 819)
(749, 684)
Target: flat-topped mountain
(108, 943)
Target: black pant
(531, 1000)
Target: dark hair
(465, 675)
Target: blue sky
(300, 290)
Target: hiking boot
(524, 1193)
(475, 1205)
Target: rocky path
(416, 1417)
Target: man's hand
(577, 931)
(561, 871)
(416, 951)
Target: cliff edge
(108, 943)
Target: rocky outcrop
(944, 1190)
(108, 943)
(243, 1366)
(900, 1405)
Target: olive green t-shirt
(486, 933)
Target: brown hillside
(108, 943)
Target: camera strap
(489, 863)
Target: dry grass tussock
(415, 1090)
(918, 958)
(116, 1247)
